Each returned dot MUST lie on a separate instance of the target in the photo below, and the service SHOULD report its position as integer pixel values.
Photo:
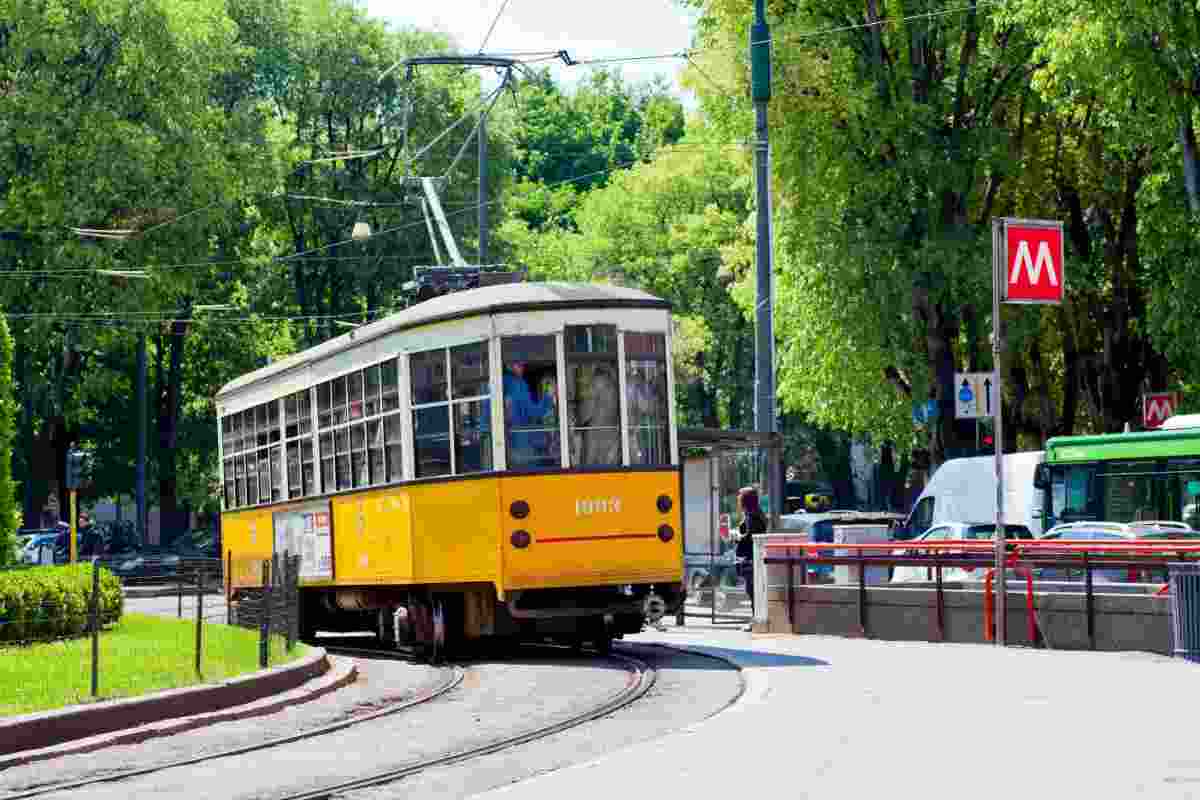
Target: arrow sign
(973, 396)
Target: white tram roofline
(485, 301)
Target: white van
(1181, 422)
(964, 490)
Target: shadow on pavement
(746, 658)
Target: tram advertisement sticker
(306, 531)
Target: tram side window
(531, 402)
(470, 393)
(593, 395)
(431, 413)
(646, 398)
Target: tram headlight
(520, 539)
(666, 533)
(664, 503)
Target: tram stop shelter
(716, 464)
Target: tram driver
(529, 421)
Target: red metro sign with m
(1034, 261)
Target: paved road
(838, 718)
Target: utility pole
(140, 486)
(764, 344)
(483, 188)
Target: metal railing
(1024, 557)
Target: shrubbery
(52, 602)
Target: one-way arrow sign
(974, 398)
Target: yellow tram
(496, 462)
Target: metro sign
(1033, 264)
(1157, 408)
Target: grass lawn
(139, 654)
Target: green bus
(1122, 477)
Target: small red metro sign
(1034, 262)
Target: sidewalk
(843, 718)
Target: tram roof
(484, 301)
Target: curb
(82, 728)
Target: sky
(608, 29)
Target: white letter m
(1033, 269)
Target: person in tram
(522, 410)
(753, 522)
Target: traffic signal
(74, 469)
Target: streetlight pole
(764, 344)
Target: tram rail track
(642, 679)
(451, 677)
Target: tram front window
(530, 402)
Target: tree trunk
(1191, 168)
(170, 405)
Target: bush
(52, 602)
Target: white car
(1112, 532)
(952, 531)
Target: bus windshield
(1126, 491)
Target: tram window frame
(584, 447)
(471, 413)
(372, 395)
(524, 447)
(429, 393)
(253, 456)
(653, 357)
(297, 429)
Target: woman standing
(753, 521)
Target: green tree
(9, 518)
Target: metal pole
(199, 624)
(74, 526)
(140, 484)
(95, 615)
(764, 342)
(998, 432)
(483, 188)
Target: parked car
(40, 549)
(819, 527)
(953, 531)
(1100, 531)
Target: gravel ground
(494, 700)
(689, 689)
(379, 683)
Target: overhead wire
(495, 19)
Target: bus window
(530, 402)
(646, 398)
(593, 395)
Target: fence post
(264, 625)
(862, 593)
(292, 577)
(229, 587)
(95, 615)
(179, 592)
(199, 624)
(1090, 601)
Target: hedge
(43, 603)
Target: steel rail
(643, 677)
(451, 677)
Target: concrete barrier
(1123, 620)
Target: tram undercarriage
(444, 620)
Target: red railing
(1022, 555)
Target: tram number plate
(600, 505)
